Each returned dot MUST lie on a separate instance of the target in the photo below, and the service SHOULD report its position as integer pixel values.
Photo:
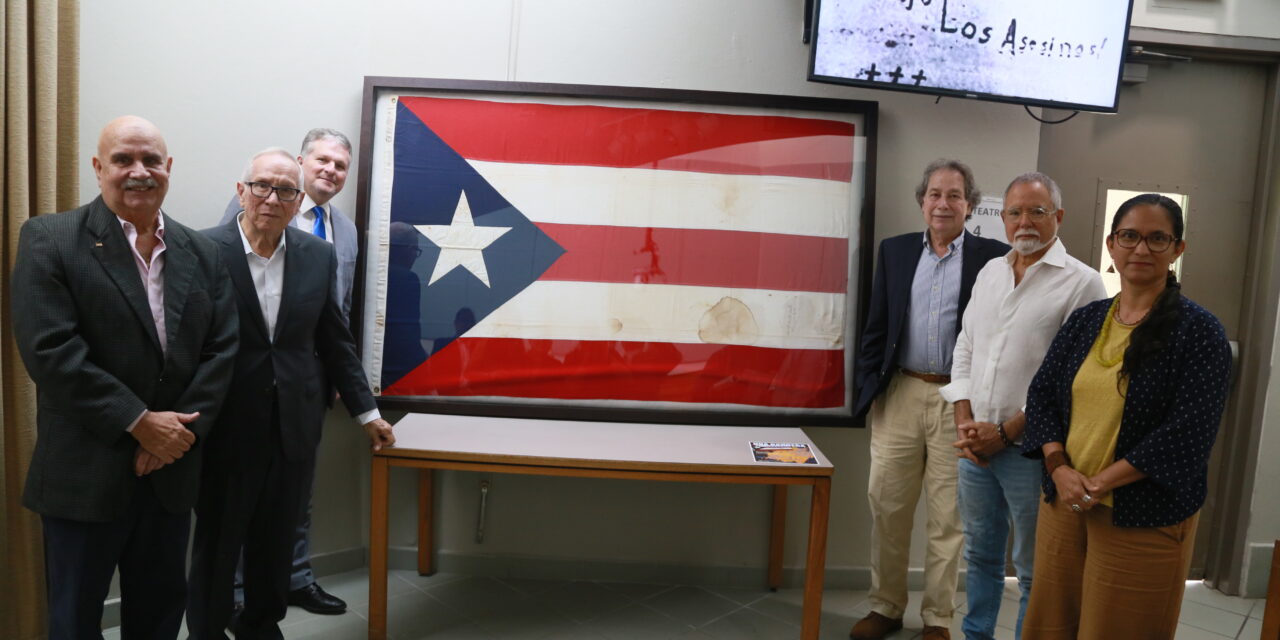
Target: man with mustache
(126, 323)
(325, 159)
(1018, 304)
(918, 294)
(293, 344)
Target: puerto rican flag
(572, 252)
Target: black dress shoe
(316, 600)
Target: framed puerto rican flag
(613, 253)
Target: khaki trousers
(912, 430)
(1097, 580)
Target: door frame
(1228, 554)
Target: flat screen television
(1065, 54)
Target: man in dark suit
(294, 344)
(126, 323)
(325, 160)
(920, 288)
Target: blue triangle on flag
(429, 178)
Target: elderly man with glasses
(325, 160)
(294, 343)
(1017, 306)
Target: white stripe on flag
(669, 313)
(672, 199)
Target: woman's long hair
(1150, 338)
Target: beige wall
(1254, 18)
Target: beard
(1027, 245)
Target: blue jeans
(990, 497)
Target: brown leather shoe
(936, 633)
(874, 627)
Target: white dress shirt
(306, 218)
(268, 282)
(268, 278)
(1007, 329)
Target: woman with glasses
(1124, 412)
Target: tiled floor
(457, 607)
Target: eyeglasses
(1035, 215)
(1157, 242)
(263, 190)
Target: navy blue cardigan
(1171, 412)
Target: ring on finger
(1087, 498)
(1076, 508)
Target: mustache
(140, 183)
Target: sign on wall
(671, 256)
(985, 220)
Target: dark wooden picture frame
(860, 247)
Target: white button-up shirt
(306, 218)
(1007, 329)
(268, 278)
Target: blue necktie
(318, 229)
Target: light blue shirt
(930, 334)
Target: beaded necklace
(1113, 315)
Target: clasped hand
(162, 438)
(1073, 487)
(978, 441)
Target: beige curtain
(40, 62)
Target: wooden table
(679, 453)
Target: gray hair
(971, 193)
(278, 151)
(320, 133)
(1032, 177)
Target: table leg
(378, 551)
(426, 506)
(819, 511)
(777, 536)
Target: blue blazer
(890, 298)
(1171, 412)
(345, 243)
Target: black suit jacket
(890, 299)
(312, 348)
(84, 328)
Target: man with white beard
(1017, 306)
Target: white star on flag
(461, 243)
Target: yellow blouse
(1096, 403)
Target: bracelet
(1055, 460)
(1004, 437)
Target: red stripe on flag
(533, 133)
(651, 371)
(702, 257)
